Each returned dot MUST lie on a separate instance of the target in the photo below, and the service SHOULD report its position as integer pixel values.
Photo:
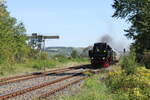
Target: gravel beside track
(32, 74)
(68, 91)
(39, 74)
(13, 87)
(35, 94)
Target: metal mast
(38, 41)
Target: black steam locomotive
(101, 55)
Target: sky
(79, 23)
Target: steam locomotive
(101, 55)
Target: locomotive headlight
(97, 50)
(103, 58)
(104, 50)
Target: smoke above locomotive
(117, 46)
(106, 39)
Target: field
(33, 65)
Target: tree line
(137, 12)
(13, 45)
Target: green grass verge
(37, 65)
(92, 89)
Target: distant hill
(66, 51)
(52, 51)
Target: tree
(137, 12)
(74, 54)
(13, 45)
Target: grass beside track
(39, 65)
(115, 84)
(94, 88)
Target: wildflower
(137, 92)
(110, 73)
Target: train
(102, 55)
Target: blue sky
(79, 23)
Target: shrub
(43, 56)
(128, 63)
(6, 68)
(40, 64)
(146, 59)
(130, 87)
(74, 54)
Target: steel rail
(60, 88)
(51, 92)
(31, 76)
(23, 91)
(21, 76)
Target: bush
(146, 59)
(43, 55)
(130, 87)
(6, 68)
(40, 64)
(74, 54)
(128, 63)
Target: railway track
(60, 88)
(71, 74)
(4, 81)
